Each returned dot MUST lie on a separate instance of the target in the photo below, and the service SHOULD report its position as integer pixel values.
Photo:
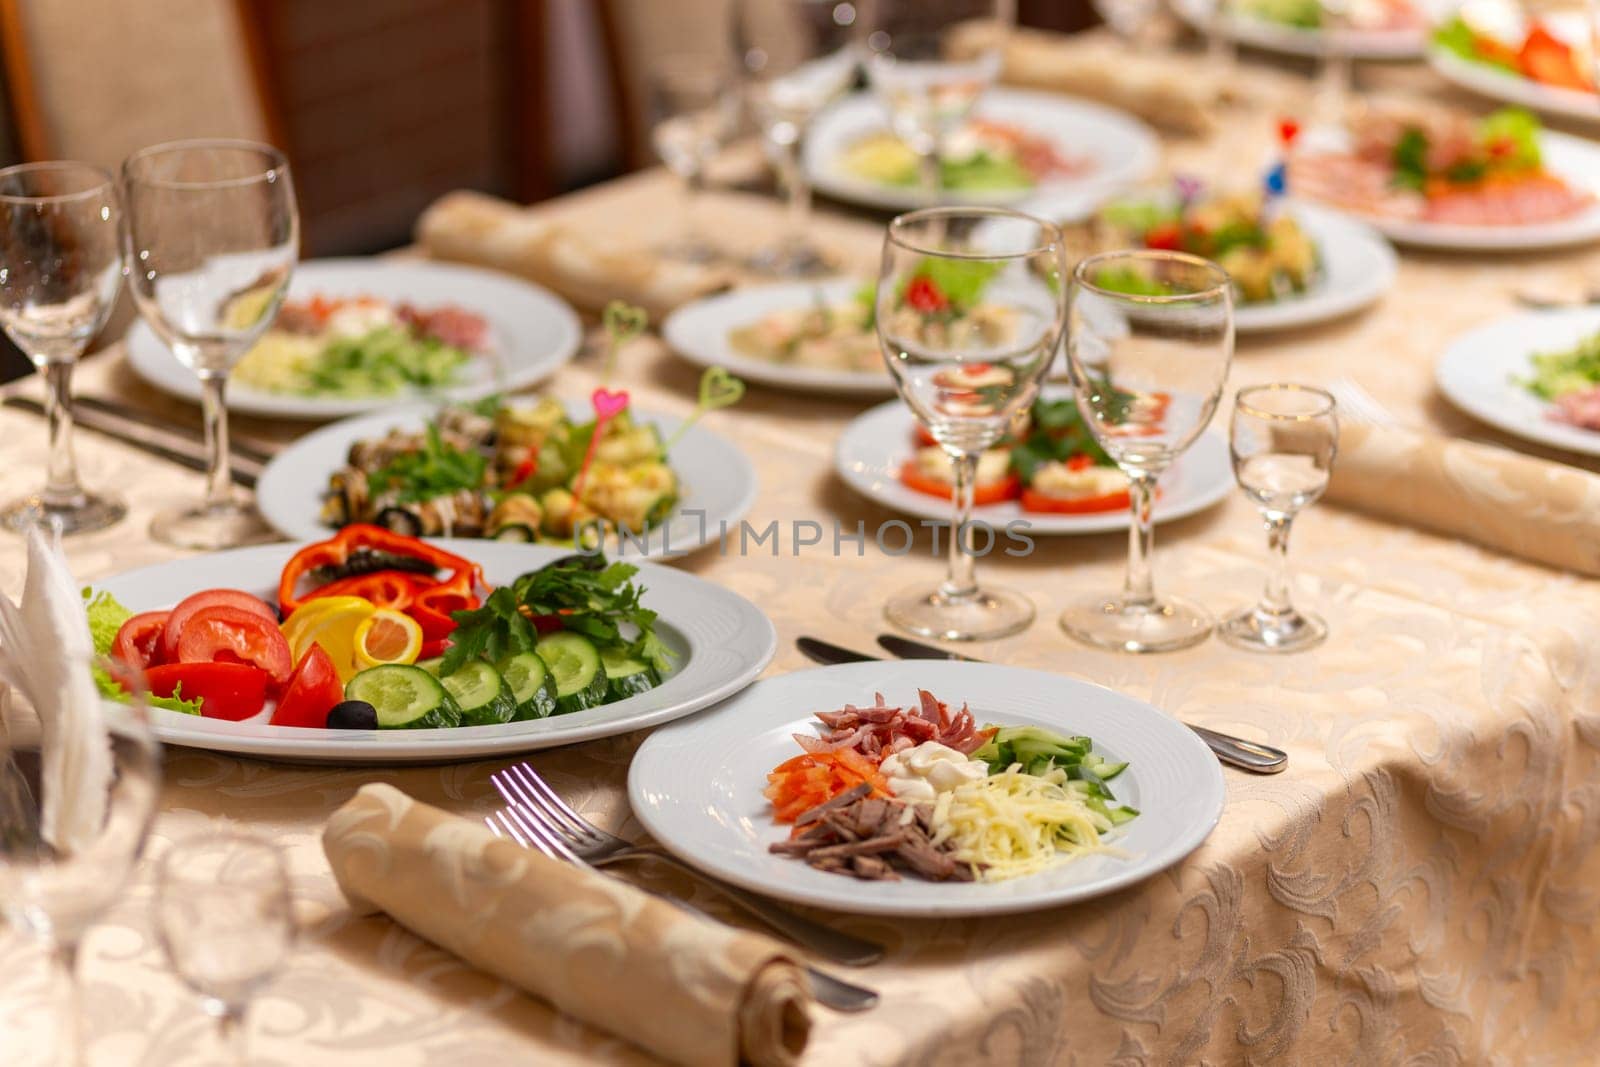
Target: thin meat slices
(880, 729)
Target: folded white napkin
(44, 655)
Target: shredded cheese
(1012, 823)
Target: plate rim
(1482, 80)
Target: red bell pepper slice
(349, 541)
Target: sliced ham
(880, 729)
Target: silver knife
(1234, 751)
(240, 449)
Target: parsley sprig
(435, 469)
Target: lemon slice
(312, 611)
(335, 630)
(387, 636)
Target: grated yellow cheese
(1012, 824)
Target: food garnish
(983, 156)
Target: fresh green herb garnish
(1058, 433)
(1411, 160)
(436, 469)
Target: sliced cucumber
(519, 532)
(431, 665)
(481, 694)
(405, 696)
(531, 685)
(574, 665)
(626, 676)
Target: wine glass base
(85, 513)
(791, 261)
(1264, 631)
(210, 526)
(1113, 622)
(982, 616)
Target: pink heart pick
(607, 404)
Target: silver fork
(521, 826)
(522, 787)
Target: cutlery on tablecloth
(240, 449)
(521, 787)
(519, 824)
(1235, 751)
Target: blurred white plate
(717, 479)
(1476, 374)
(1121, 149)
(1280, 37)
(1513, 88)
(532, 332)
(707, 807)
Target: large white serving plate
(719, 484)
(696, 785)
(1510, 24)
(1477, 370)
(721, 639)
(1123, 150)
(1296, 41)
(532, 332)
(877, 443)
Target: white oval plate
(1292, 40)
(703, 803)
(875, 445)
(699, 333)
(722, 641)
(532, 332)
(717, 479)
(1476, 371)
(1123, 150)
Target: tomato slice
(313, 691)
(231, 691)
(1006, 488)
(209, 598)
(1034, 500)
(232, 635)
(138, 642)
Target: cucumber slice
(405, 696)
(519, 532)
(431, 665)
(574, 665)
(626, 676)
(531, 685)
(481, 694)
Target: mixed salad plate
(928, 788)
(1018, 143)
(1540, 61)
(357, 335)
(376, 647)
(1374, 29)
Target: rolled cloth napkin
(474, 228)
(682, 987)
(1532, 508)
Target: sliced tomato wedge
(209, 598)
(232, 635)
(1547, 58)
(1006, 488)
(313, 691)
(1034, 500)
(231, 691)
(138, 642)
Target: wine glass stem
(797, 192)
(928, 168)
(960, 581)
(693, 184)
(70, 1001)
(1139, 587)
(61, 486)
(232, 1034)
(1275, 597)
(214, 412)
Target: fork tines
(541, 812)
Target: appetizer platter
(1376, 29)
(1537, 61)
(1535, 375)
(528, 469)
(928, 788)
(1019, 143)
(1443, 179)
(376, 647)
(357, 335)
(1051, 475)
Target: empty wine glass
(224, 913)
(1283, 440)
(1149, 340)
(73, 822)
(928, 95)
(1335, 72)
(969, 317)
(692, 112)
(62, 267)
(797, 56)
(211, 236)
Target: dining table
(1421, 885)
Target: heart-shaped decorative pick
(607, 404)
(719, 389)
(623, 320)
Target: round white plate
(532, 332)
(706, 805)
(873, 448)
(699, 332)
(719, 484)
(1295, 41)
(1508, 23)
(721, 639)
(1123, 150)
(1477, 369)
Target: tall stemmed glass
(211, 236)
(1335, 72)
(1283, 440)
(1149, 340)
(225, 916)
(62, 264)
(692, 112)
(928, 95)
(70, 839)
(969, 317)
(797, 56)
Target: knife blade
(240, 449)
(828, 654)
(1235, 751)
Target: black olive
(353, 715)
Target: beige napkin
(474, 228)
(682, 987)
(1542, 511)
